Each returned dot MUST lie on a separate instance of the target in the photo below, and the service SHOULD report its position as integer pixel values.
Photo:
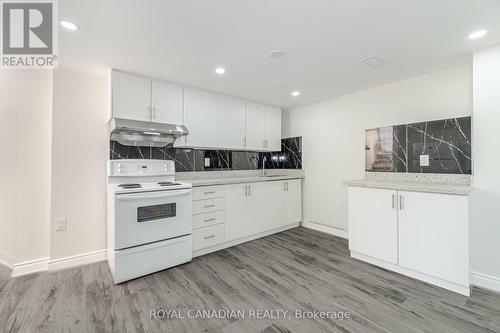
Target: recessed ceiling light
(220, 70)
(277, 54)
(295, 93)
(69, 25)
(478, 34)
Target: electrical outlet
(61, 224)
(207, 161)
(424, 160)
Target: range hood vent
(144, 133)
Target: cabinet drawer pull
(208, 237)
(209, 192)
(401, 202)
(209, 220)
(393, 201)
(208, 206)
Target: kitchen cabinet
(167, 102)
(140, 98)
(433, 235)
(255, 126)
(236, 211)
(131, 96)
(255, 208)
(293, 201)
(418, 234)
(231, 129)
(200, 118)
(258, 208)
(373, 223)
(273, 129)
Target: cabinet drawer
(208, 192)
(204, 220)
(208, 236)
(208, 205)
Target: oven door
(147, 217)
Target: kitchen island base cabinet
(418, 234)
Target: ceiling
(324, 40)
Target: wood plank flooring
(299, 269)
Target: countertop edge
(238, 180)
(453, 189)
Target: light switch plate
(424, 160)
(207, 161)
(61, 224)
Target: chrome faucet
(264, 159)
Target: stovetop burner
(168, 183)
(130, 186)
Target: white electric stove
(149, 218)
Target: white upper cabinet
(167, 102)
(131, 96)
(200, 118)
(231, 123)
(273, 128)
(256, 126)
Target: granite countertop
(237, 177)
(417, 186)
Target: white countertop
(231, 177)
(431, 187)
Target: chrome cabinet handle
(209, 220)
(393, 201)
(208, 237)
(208, 206)
(286, 186)
(401, 202)
(246, 191)
(210, 192)
(249, 190)
(153, 113)
(244, 142)
(263, 143)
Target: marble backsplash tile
(446, 142)
(189, 160)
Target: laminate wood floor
(299, 269)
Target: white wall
(80, 149)
(485, 199)
(333, 133)
(25, 134)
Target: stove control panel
(129, 168)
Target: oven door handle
(152, 195)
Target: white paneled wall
(25, 134)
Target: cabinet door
(256, 126)
(373, 223)
(273, 128)
(167, 101)
(236, 212)
(433, 235)
(200, 118)
(257, 208)
(275, 205)
(131, 96)
(231, 123)
(293, 201)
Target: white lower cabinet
(373, 223)
(422, 235)
(236, 211)
(293, 201)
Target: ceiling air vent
(373, 61)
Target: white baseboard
(30, 267)
(486, 281)
(7, 259)
(78, 260)
(324, 228)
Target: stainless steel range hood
(144, 133)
